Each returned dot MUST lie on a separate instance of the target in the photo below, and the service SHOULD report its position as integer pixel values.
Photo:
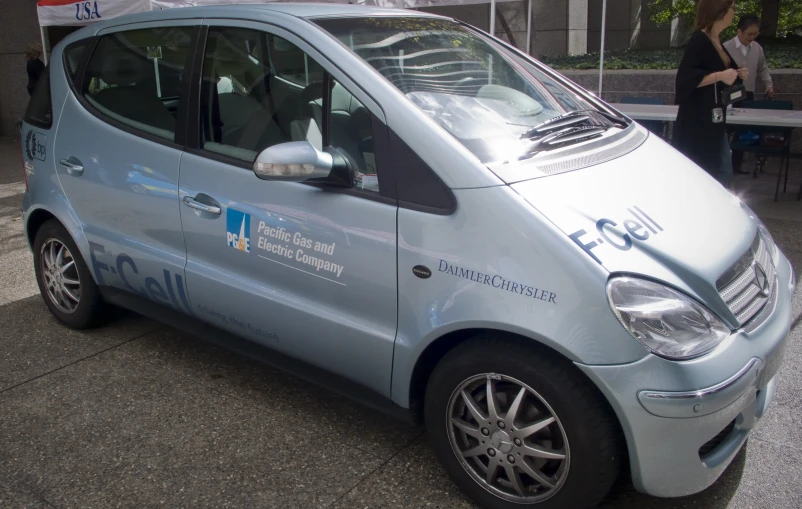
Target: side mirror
(294, 161)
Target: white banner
(411, 4)
(85, 12)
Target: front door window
(260, 90)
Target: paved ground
(138, 415)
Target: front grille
(738, 286)
(716, 440)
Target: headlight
(764, 233)
(665, 321)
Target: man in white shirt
(747, 53)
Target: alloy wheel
(508, 438)
(60, 276)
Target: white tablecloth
(668, 113)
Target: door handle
(192, 202)
(72, 168)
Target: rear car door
(117, 154)
(304, 269)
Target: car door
(117, 154)
(307, 270)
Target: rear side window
(135, 77)
(72, 58)
(40, 108)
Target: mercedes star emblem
(761, 281)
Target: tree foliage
(789, 22)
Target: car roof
(306, 10)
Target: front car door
(118, 151)
(307, 270)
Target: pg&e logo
(238, 230)
(35, 146)
(86, 10)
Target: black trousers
(737, 155)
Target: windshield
(491, 100)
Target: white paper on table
(369, 182)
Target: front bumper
(685, 421)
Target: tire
(88, 310)
(580, 427)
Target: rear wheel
(64, 280)
(515, 427)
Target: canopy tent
(85, 12)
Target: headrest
(122, 67)
(340, 98)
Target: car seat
(131, 94)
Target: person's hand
(729, 76)
(743, 72)
(770, 91)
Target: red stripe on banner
(55, 3)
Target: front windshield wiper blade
(623, 122)
(572, 118)
(566, 137)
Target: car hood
(652, 212)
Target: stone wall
(19, 29)
(620, 84)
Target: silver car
(408, 211)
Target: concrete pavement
(135, 414)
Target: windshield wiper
(590, 117)
(573, 117)
(565, 137)
(615, 118)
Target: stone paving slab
(118, 430)
(34, 343)
(259, 386)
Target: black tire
(594, 445)
(90, 309)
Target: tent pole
(492, 17)
(529, 30)
(45, 43)
(601, 52)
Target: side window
(352, 133)
(291, 64)
(134, 77)
(72, 58)
(260, 90)
(239, 113)
(40, 108)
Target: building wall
(559, 27)
(570, 27)
(19, 29)
(628, 26)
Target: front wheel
(519, 428)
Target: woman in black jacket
(705, 71)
